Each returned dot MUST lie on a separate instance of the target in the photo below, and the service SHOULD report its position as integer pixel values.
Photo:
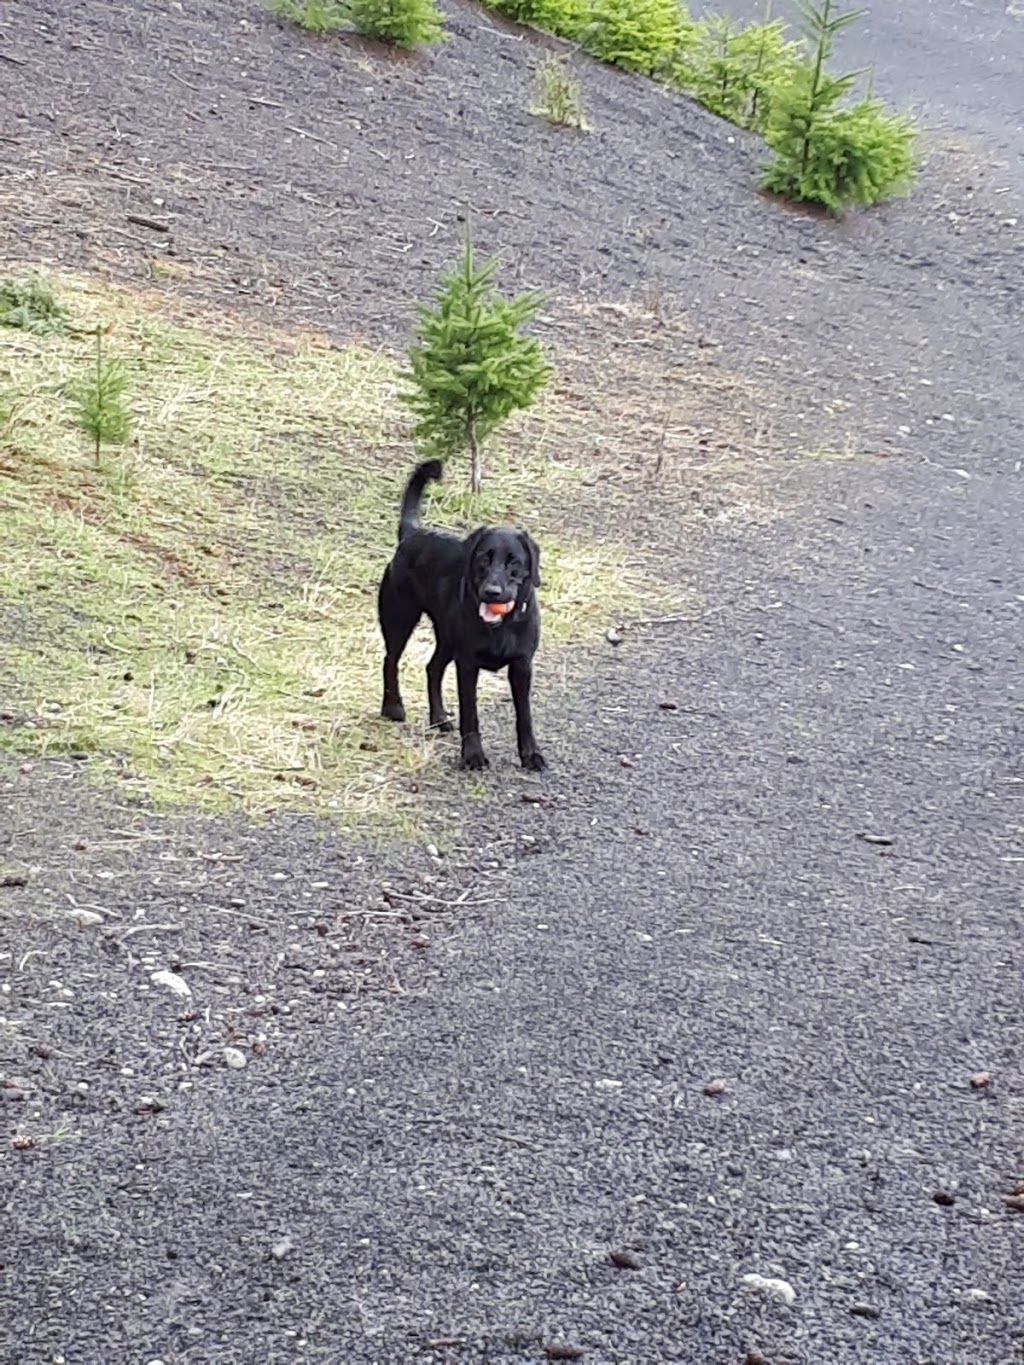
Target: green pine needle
(100, 409)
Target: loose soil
(473, 1070)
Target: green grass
(199, 614)
(30, 304)
(558, 95)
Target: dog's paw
(473, 760)
(393, 710)
(533, 762)
(443, 727)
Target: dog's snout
(492, 592)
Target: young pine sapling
(100, 408)
(470, 366)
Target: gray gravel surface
(778, 859)
(460, 1163)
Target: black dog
(478, 593)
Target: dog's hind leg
(398, 620)
(439, 662)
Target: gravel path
(738, 995)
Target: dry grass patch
(198, 613)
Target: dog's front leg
(439, 662)
(473, 755)
(520, 676)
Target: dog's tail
(409, 517)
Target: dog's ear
(469, 548)
(532, 552)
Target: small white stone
(780, 1290)
(173, 982)
(85, 918)
(235, 1058)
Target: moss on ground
(198, 613)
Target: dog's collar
(523, 606)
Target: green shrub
(406, 23)
(860, 155)
(563, 17)
(733, 71)
(470, 368)
(558, 95)
(32, 305)
(316, 16)
(829, 155)
(638, 35)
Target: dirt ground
(324, 183)
(712, 996)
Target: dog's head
(502, 567)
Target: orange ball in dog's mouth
(493, 612)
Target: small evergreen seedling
(470, 367)
(733, 71)
(563, 17)
(642, 35)
(558, 95)
(316, 16)
(99, 402)
(405, 23)
(825, 154)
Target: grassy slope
(198, 613)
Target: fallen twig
(154, 224)
(237, 914)
(304, 132)
(156, 928)
(90, 905)
(421, 898)
(515, 1139)
(934, 587)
